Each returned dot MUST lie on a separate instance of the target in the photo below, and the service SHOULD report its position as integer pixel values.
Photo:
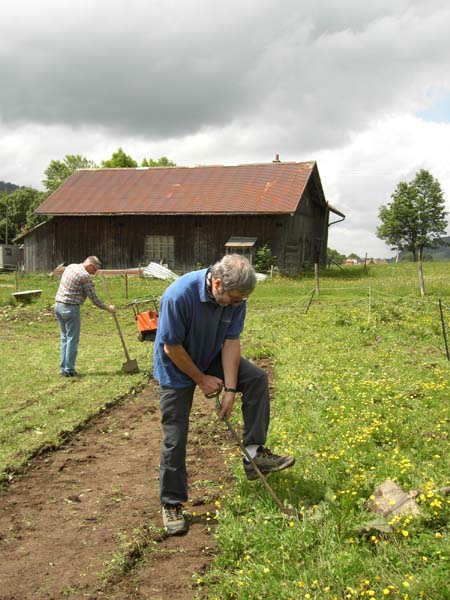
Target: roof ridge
(217, 166)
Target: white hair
(235, 273)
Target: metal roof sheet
(255, 188)
(241, 242)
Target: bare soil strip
(84, 520)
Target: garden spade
(287, 511)
(130, 366)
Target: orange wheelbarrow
(146, 314)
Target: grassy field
(38, 408)
(362, 395)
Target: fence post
(444, 333)
(310, 300)
(316, 275)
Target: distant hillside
(439, 254)
(8, 187)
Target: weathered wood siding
(39, 248)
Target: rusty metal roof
(255, 188)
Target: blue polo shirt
(188, 317)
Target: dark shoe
(174, 520)
(267, 462)
(72, 374)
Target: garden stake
(443, 329)
(287, 511)
(310, 300)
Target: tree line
(17, 204)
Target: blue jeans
(68, 316)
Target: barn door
(201, 254)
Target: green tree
(415, 219)
(264, 259)
(59, 170)
(163, 161)
(335, 257)
(119, 160)
(17, 212)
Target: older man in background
(76, 285)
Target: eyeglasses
(236, 299)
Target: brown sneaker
(267, 462)
(174, 520)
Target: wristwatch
(228, 389)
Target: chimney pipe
(277, 158)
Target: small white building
(9, 257)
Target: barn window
(160, 249)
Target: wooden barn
(183, 216)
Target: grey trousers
(176, 403)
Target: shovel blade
(130, 366)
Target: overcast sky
(362, 88)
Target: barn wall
(39, 248)
(119, 241)
(304, 235)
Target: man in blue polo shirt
(200, 321)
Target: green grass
(362, 395)
(38, 408)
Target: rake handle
(116, 321)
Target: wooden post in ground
(16, 281)
(310, 300)
(126, 286)
(444, 333)
(316, 275)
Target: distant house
(184, 217)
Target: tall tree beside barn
(59, 170)
(119, 160)
(17, 212)
(415, 219)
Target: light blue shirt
(190, 318)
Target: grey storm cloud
(299, 71)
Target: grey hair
(235, 273)
(93, 260)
